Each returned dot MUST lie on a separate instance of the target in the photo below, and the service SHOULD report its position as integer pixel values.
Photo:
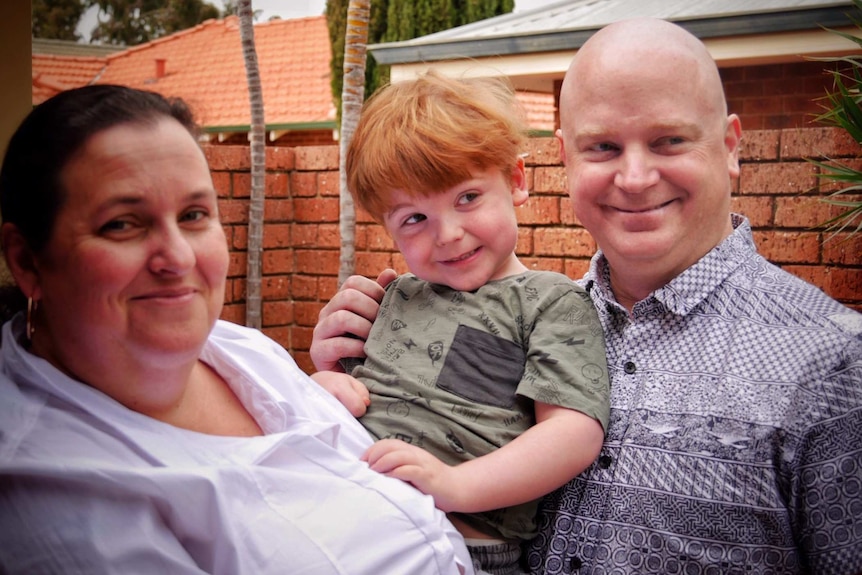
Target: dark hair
(31, 193)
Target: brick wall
(777, 95)
(777, 190)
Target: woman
(137, 432)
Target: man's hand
(345, 322)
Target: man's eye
(602, 147)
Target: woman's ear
(20, 260)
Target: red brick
(315, 261)
(789, 248)
(328, 184)
(524, 246)
(234, 313)
(372, 263)
(274, 287)
(543, 151)
(843, 248)
(303, 360)
(305, 287)
(276, 236)
(281, 335)
(277, 186)
(227, 157)
(801, 212)
(759, 145)
(301, 338)
(277, 261)
(817, 142)
(576, 269)
(563, 241)
(280, 158)
(241, 185)
(233, 211)
(277, 313)
(317, 158)
(303, 184)
(306, 312)
(760, 179)
(221, 184)
(316, 209)
(545, 264)
(758, 209)
(550, 179)
(238, 265)
(539, 210)
(277, 210)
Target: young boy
(486, 383)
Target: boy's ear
(519, 183)
(20, 260)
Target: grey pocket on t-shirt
(482, 367)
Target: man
(734, 444)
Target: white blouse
(89, 486)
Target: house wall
(777, 190)
(777, 95)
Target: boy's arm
(351, 392)
(561, 444)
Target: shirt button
(629, 367)
(575, 563)
(605, 461)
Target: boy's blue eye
(468, 197)
(414, 219)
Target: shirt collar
(686, 291)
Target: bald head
(642, 49)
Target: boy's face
(462, 237)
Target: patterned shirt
(735, 441)
(456, 373)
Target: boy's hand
(399, 459)
(351, 392)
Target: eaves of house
(204, 66)
(534, 48)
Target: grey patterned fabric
(735, 441)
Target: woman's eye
(115, 226)
(193, 215)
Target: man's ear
(20, 260)
(732, 137)
(559, 135)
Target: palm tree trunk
(352, 96)
(258, 165)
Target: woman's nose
(173, 253)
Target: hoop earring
(32, 306)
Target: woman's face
(134, 271)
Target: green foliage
(843, 109)
(394, 20)
(132, 22)
(57, 19)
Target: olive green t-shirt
(456, 373)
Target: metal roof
(566, 25)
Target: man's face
(649, 159)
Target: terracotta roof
(204, 66)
